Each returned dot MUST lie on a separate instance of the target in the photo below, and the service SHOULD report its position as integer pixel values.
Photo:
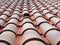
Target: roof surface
(30, 22)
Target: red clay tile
(7, 38)
(32, 37)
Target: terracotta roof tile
(29, 22)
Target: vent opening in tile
(26, 14)
(58, 43)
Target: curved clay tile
(33, 8)
(48, 6)
(7, 13)
(42, 8)
(34, 11)
(37, 15)
(54, 36)
(58, 13)
(55, 11)
(45, 11)
(39, 6)
(27, 23)
(16, 12)
(26, 20)
(17, 8)
(1, 23)
(49, 15)
(15, 16)
(13, 21)
(25, 13)
(56, 21)
(32, 37)
(4, 7)
(3, 17)
(40, 19)
(7, 38)
(10, 27)
(9, 9)
(1, 10)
